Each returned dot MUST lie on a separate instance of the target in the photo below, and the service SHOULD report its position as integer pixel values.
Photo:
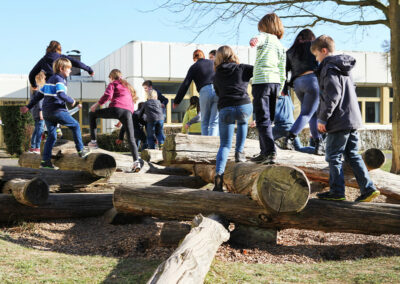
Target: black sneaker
(327, 195)
(269, 159)
(288, 144)
(240, 157)
(84, 152)
(258, 159)
(319, 147)
(367, 197)
(47, 165)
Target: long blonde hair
(115, 74)
(225, 54)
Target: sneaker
(47, 165)
(258, 159)
(327, 195)
(93, 145)
(31, 150)
(319, 147)
(84, 152)
(288, 144)
(269, 159)
(367, 197)
(136, 166)
(240, 157)
(36, 151)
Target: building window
(391, 92)
(167, 88)
(372, 112)
(368, 92)
(390, 111)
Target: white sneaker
(136, 166)
(93, 145)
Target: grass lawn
(388, 163)
(19, 264)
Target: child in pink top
(122, 96)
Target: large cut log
(97, 164)
(320, 215)
(29, 192)
(58, 206)
(190, 262)
(182, 148)
(152, 155)
(278, 188)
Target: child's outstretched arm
(257, 40)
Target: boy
(148, 87)
(55, 110)
(339, 116)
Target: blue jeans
(227, 118)
(63, 118)
(209, 111)
(307, 90)
(345, 143)
(37, 134)
(155, 128)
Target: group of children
(338, 114)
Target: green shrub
(17, 129)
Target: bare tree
(202, 15)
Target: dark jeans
(345, 143)
(123, 115)
(37, 134)
(264, 101)
(63, 118)
(307, 91)
(155, 128)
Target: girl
(302, 63)
(234, 104)
(268, 81)
(189, 125)
(120, 92)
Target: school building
(166, 64)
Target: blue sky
(98, 27)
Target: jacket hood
(227, 68)
(342, 63)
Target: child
(155, 120)
(268, 81)
(339, 115)
(148, 87)
(55, 110)
(37, 115)
(122, 96)
(234, 105)
(193, 128)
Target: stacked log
(29, 192)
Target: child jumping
(122, 96)
(339, 115)
(191, 121)
(54, 95)
(268, 80)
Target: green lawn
(19, 264)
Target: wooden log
(182, 148)
(320, 215)
(190, 262)
(97, 164)
(29, 192)
(58, 206)
(152, 155)
(278, 188)
(115, 218)
(172, 233)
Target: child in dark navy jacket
(54, 95)
(339, 115)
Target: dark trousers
(123, 115)
(264, 101)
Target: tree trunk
(29, 192)
(320, 215)
(152, 155)
(280, 189)
(97, 164)
(58, 206)
(191, 150)
(394, 23)
(190, 262)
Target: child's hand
(252, 124)
(253, 42)
(23, 109)
(79, 105)
(162, 105)
(187, 126)
(118, 125)
(93, 107)
(118, 141)
(321, 128)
